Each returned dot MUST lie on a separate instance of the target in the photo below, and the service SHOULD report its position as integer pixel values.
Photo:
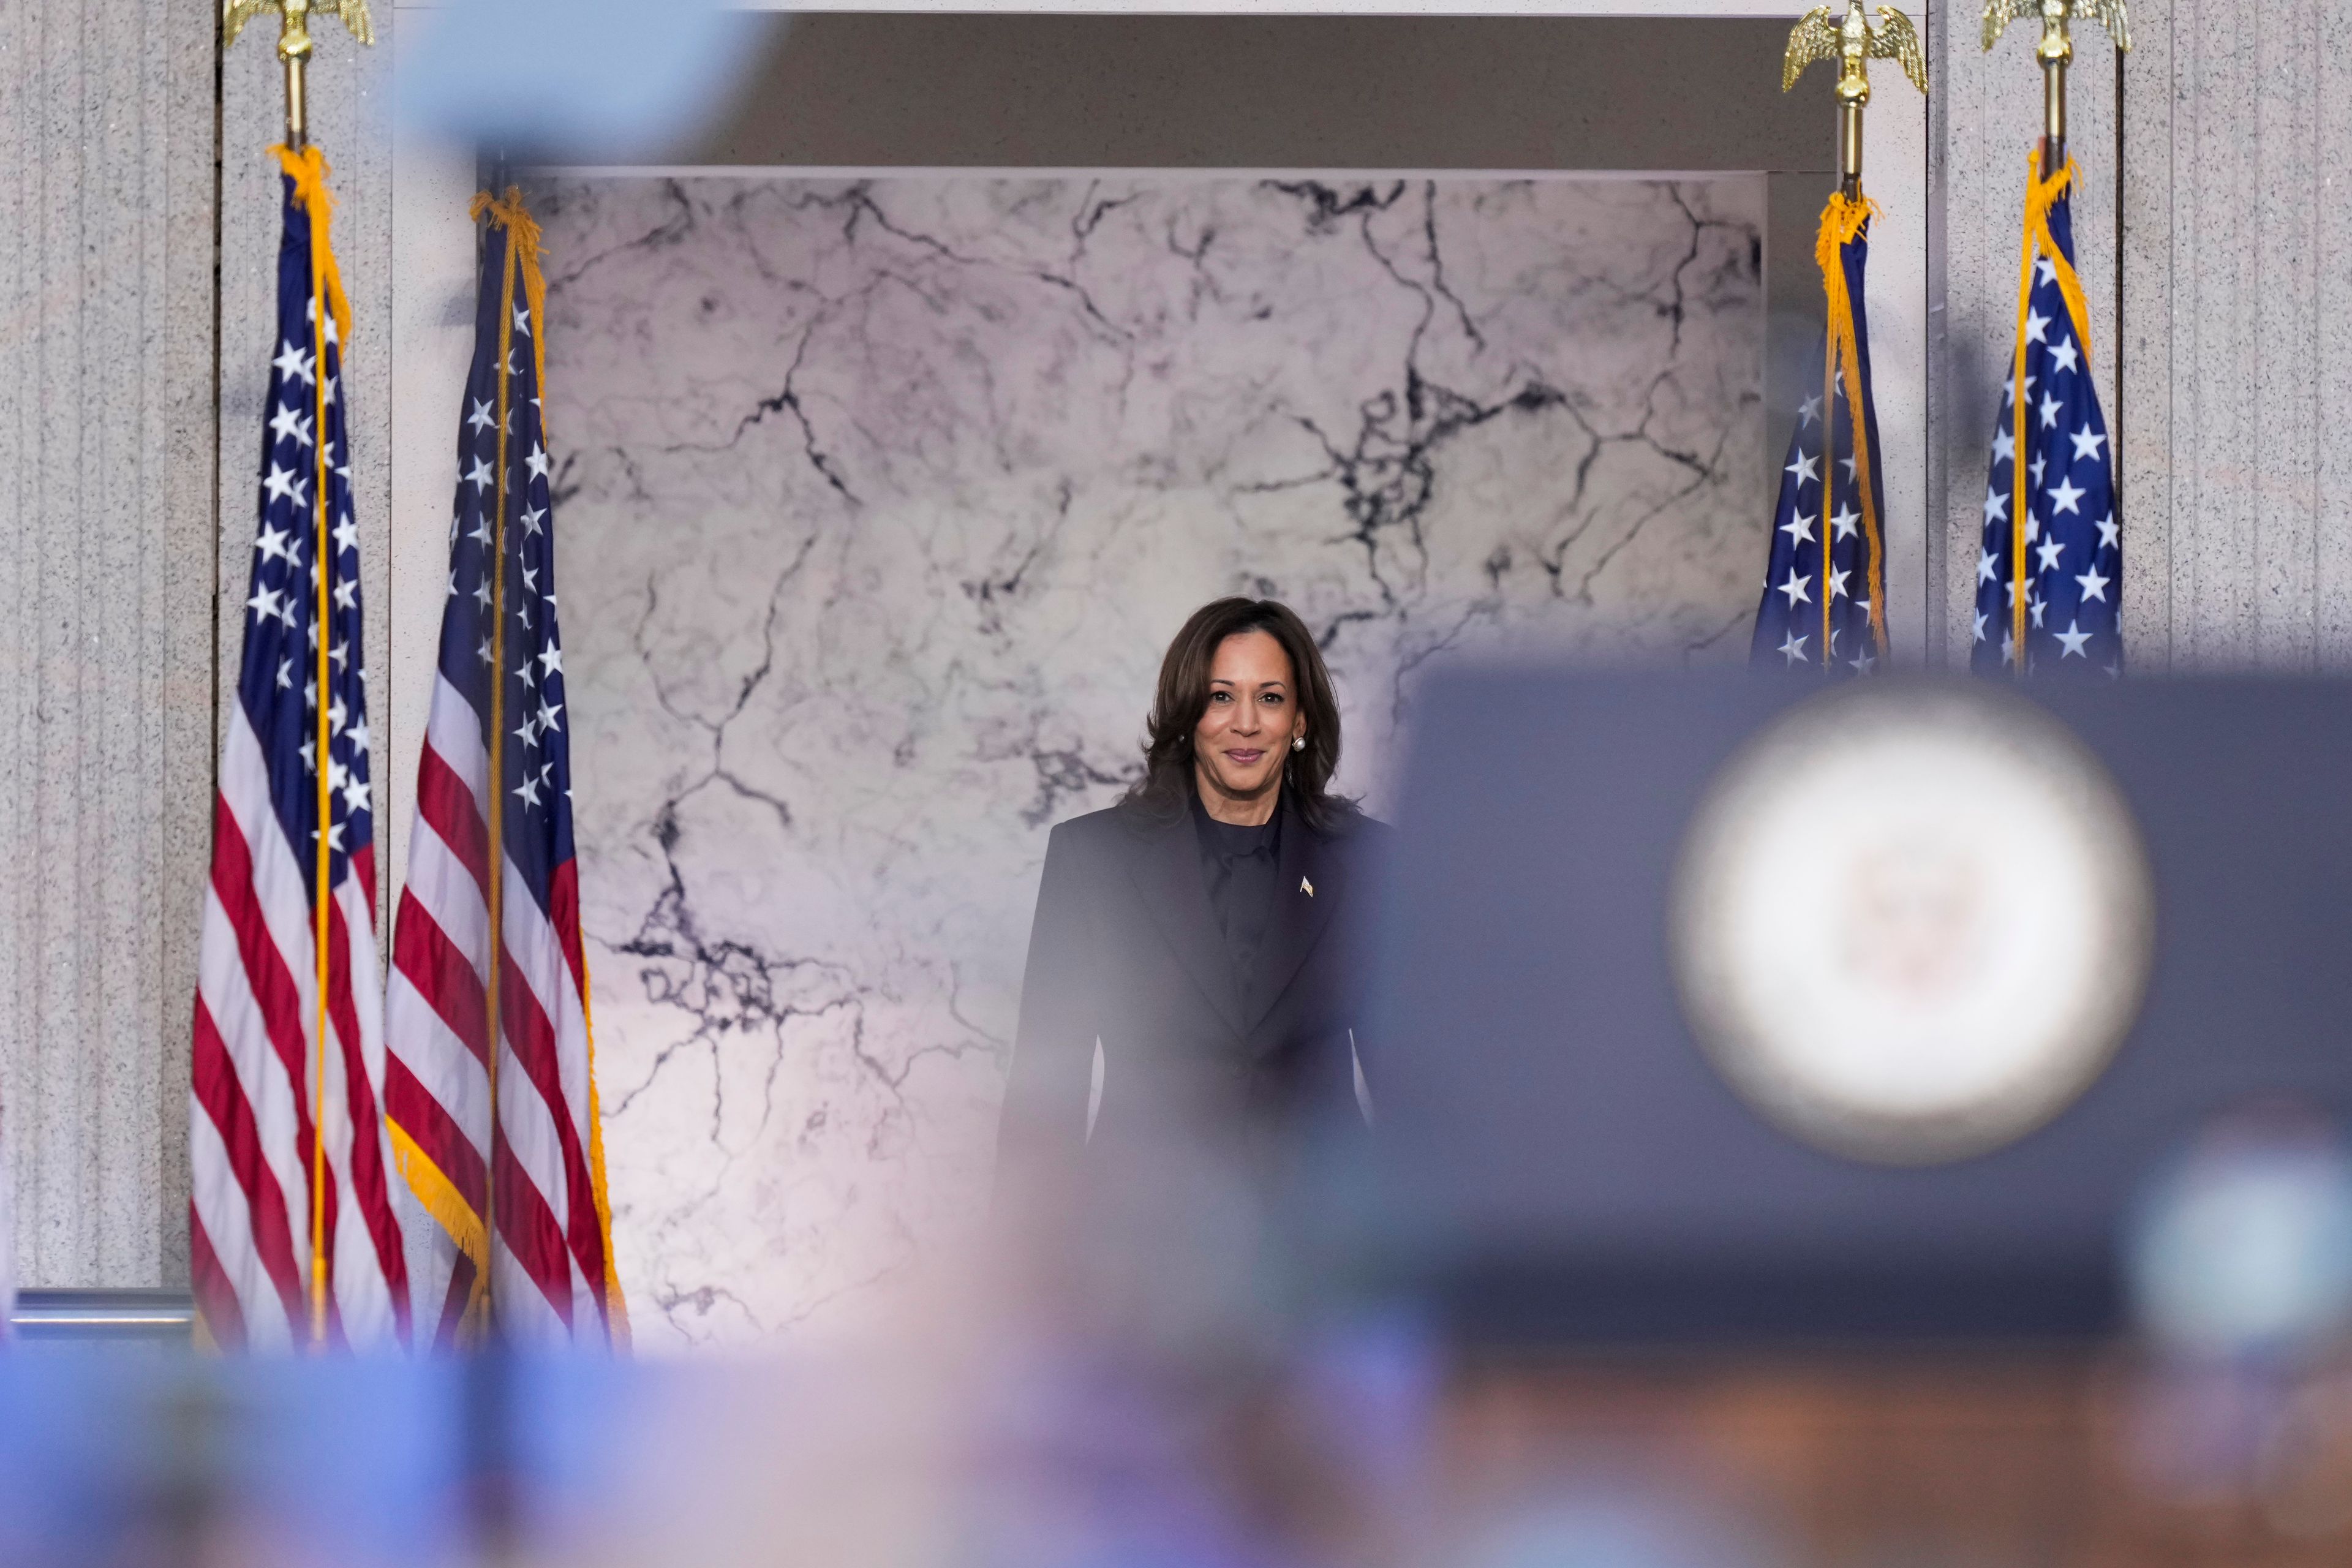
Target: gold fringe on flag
(434, 1189)
(522, 237)
(617, 1306)
(308, 171)
(1841, 221)
(307, 168)
(439, 1197)
(2041, 193)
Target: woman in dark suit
(1196, 965)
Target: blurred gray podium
(1559, 1161)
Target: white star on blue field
(1818, 575)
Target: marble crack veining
(879, 500)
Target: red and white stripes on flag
(496, 748)
(292, 1240)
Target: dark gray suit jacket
(1126, 950)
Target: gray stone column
(107, 240)
(130, 426)
(2237, 429)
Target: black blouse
(1240, 867)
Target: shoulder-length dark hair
(1166, 788)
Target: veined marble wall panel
(878, 502)
(106, 499)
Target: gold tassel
(440, 1198)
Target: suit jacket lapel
(1166, 871)
(1305, 895)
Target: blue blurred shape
(578, 80)
(116, 1457)
(2244, 1248)
(1621, 1527)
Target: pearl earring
(1299, 742)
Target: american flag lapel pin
(1305, 887)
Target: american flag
(1825, 610)
(546, 1276)
(2050, 502)
(272, 1102)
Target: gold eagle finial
(1852, 42)
(2054, 15)
(294, 30)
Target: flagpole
(497, 803)
(321, 769)
(298, 62)
(1853, 41)
(295, 46)
(1853, 96)
(2055, 52)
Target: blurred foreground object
(2244, 1251)
(1966, 953)
(1562, 1160)
(2242, 1273)
(1024, 1446)
(908, 1453)
(576, 80)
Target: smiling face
(1244, 733)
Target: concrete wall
(130, 412)
(107, 422)
(2238, 345)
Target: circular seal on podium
(1911, 923)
